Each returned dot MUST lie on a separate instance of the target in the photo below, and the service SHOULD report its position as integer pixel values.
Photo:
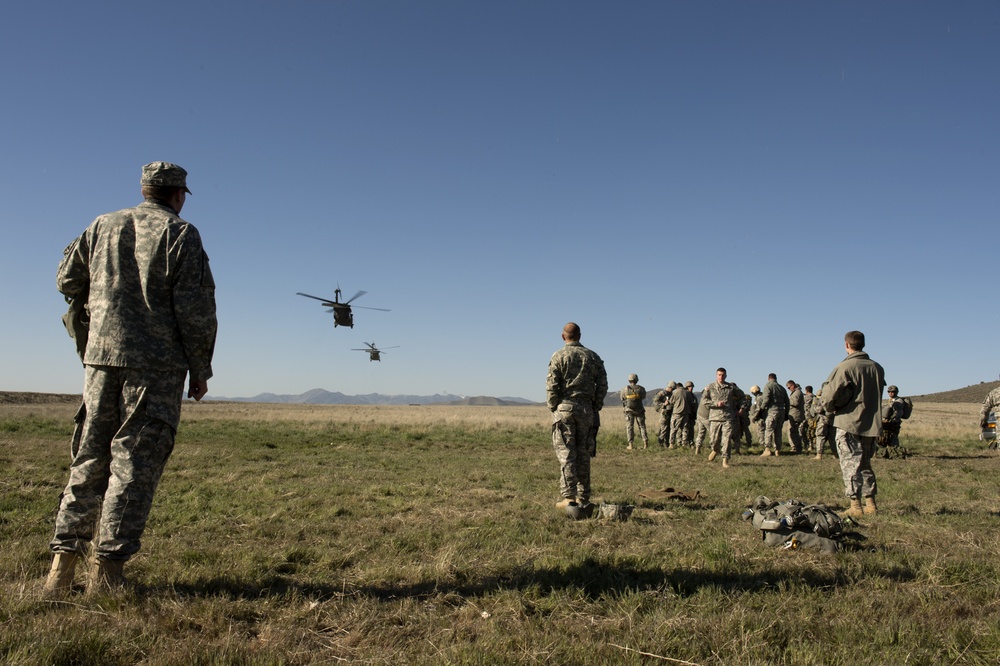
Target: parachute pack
(907, 408)
(792, 524)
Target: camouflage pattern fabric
(152, 294)
(662, 405)
(575, 389)
(797, 420)
(990, 404)
(571, 425)
(856, 464)
(124, 436)
(719, 397)
(679, 417)
(632, 397)
(774, 399)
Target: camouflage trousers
(824, 435)
(633, 419)
(700, 431)
(741, 432)
(571, 428)
(856, 464)
(124, 435)
(720, 435)
(797, 434)
(664, 435)
(679, 430)
(772, 430)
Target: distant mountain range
(323, 397)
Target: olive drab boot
(61, 575)
(870, 507)
(855, 510)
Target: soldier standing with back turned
(144, 277)
(575, 389)
(632, 397)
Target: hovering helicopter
(342, 315)
(374, 352)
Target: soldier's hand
(197, 389)
(983, 424)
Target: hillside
(975, 393)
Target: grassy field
(427, 535)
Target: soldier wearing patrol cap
(632, 397)
(143, 314)
(692, 410)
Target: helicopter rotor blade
(367, 308)
(357, 295)
(327, 301)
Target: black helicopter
(374, 353)
(342, 315)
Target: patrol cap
(633, 377)
(893, 388)
(164, 174)
(671, 386)
(755, 389)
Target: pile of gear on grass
(793, 525)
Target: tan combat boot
(855, 510)
(819, 455)
(765, 453)
(565, 502)
(725, 463)
(107, 576)
(60, 580)
(870, 507)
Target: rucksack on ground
(793, 524)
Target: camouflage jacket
(679, 401)
(151, 293)
(990, 404)
(576, 376)
(662, 403)
(716, 393)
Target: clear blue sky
(696, 183)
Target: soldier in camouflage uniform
(796, 417)
(990, 404)
(774, 402)
(742, 430)
(824, 431)
(719, 396)
(692, 411)
(633, 397)
(807, 400)
(701, 422)
(892, 421)
(853, 396)
(757, 415)
(148, 291)
(679, 418)
(575, 390)
(662, 405)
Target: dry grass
(289, 534)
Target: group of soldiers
(685, 419)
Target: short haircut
(855, 340)
(159, 192)
(572, 331)
(721, 370)
(773, 376)
(809, 388)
